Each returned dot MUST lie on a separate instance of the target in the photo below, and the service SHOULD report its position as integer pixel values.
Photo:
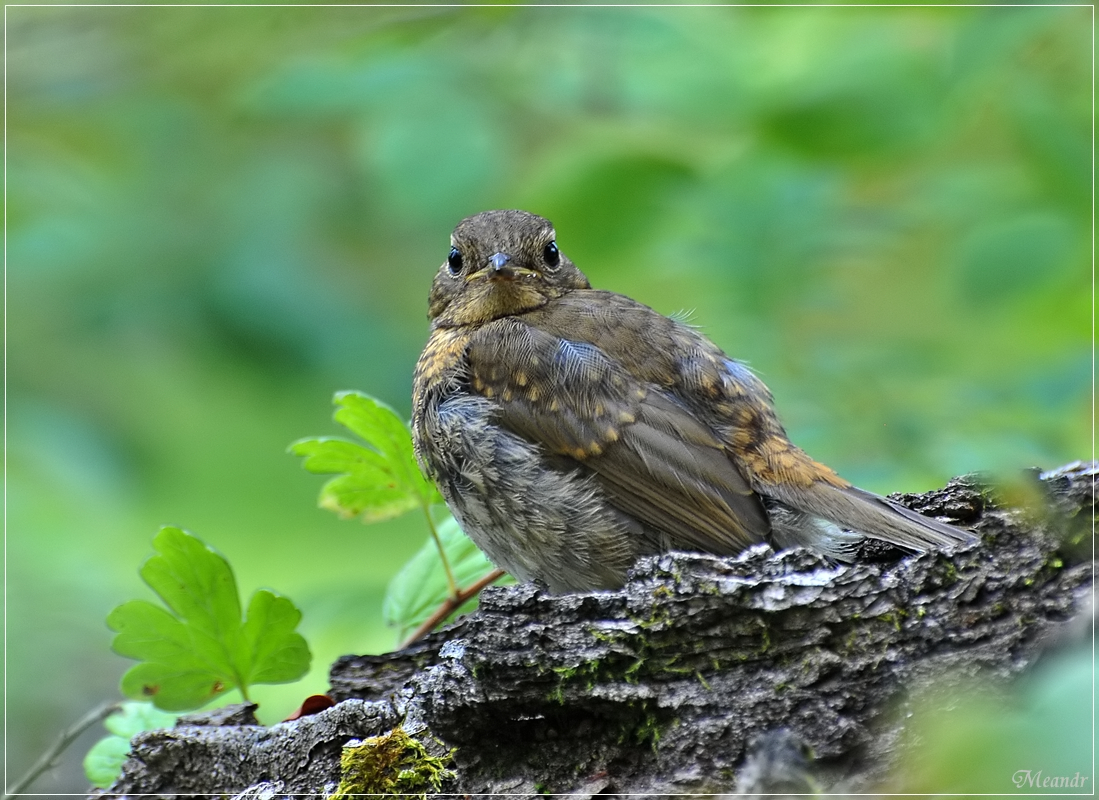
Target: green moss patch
(391, 764)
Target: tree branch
(664, 686)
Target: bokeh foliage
(218, 216)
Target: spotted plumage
(572, 430)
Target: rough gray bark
(667, 684)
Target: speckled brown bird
(572, 430)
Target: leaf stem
(451, 583)
(67, 737)
(450, 605)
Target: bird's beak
(499, 267)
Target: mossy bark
(667, 685)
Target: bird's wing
(654, 459)
(672, 457)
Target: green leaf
(374, 482)
(269, 646)
(103, 763)
(200, 647)
(420, 587)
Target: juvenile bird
(572, 430)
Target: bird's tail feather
(864, 512)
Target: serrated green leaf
(175, 686)
(103, 762)
(202, 649)
(421, 586)
(379, 426)
(366, 489)
(195, 582)
(374, 481)
(273, 652)
(147, 631)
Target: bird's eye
(551, 255)
(454, 261)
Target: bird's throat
(489, 300)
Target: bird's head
(500, 263)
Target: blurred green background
(219, 216)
